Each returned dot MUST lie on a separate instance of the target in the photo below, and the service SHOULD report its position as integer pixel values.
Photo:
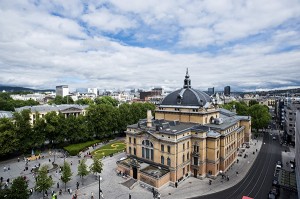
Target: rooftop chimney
(149, 119)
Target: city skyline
(115, 44)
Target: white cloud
(42, 49)
(104, 20)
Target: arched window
(169, 161)
(183, 159)
(147, 150)
(162, 159)
(188, 156)
(134, 151)
(212, 119)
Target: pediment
(71, 110)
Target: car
(275, 190)
(279, 163)
(271, 196)
(278, 167)
(275, 183)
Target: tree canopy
(82, 169)
(66, 175)
(19, 189)
(260, 116)
(43, 181)
(96, 166)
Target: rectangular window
(143, 152)
(152, 156)
(169, 162)
(188, 144)
(169, 149)
(183, 158)
(162, 148)
(147, 154)
(183, 146)
(129, 139)
(195, 161)
(183, 171)
(134, 140)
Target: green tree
(39, 131)
(19, 189)
(253, 102)
(43, 181)
(106, 100)
(102, 119)
(125, 116)
(86, 101)
(82, 169)
(53, 126)
(66, 175)
(8, 137)
(23, 129)
(4, 193)
(57, 100)
(260, 116)
(96, 166)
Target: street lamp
(100, 191)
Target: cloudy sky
(120, 44)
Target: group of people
(6, 182)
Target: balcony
(195, 154)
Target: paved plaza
(111, 182)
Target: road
(257, 183)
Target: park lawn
(74, 149)
(109, 149)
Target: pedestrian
(57, 185)
(4, 168)
(8, 168)
(18, 159)
(69, 190)
(77, 185)
(1, 179)
(92, 195)
(129, 196)
(49, 160)
(60, 192)
(71, 163)
(7, 180)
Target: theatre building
(189, 136)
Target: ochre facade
(184, 140)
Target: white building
(62, 90)
(36, 97)
(65, 109)
(93, 90)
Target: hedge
(74, 149)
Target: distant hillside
(22, 89)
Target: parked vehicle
(279, 163)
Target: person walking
(129, 196)
(77, 185)
(57, 184)
(92, 195)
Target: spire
(187, 81)
(187, 73)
